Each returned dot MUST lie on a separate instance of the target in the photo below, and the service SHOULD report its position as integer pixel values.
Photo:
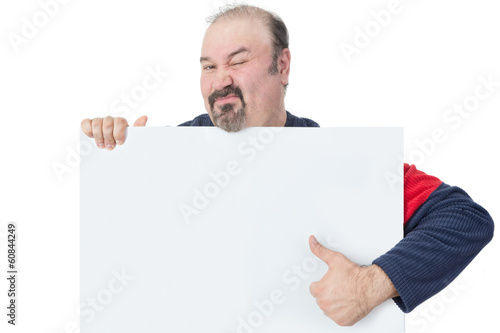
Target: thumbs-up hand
(348, 292)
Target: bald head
(278, 33)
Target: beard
(228, 118)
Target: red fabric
(417, 188)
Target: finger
(86, 126)
(325, 306)
(319, 250)
(107, 132)
(313, 289)
(141, 121)
(97, 132)
(119, 130)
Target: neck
(272, 119)
(277, 120)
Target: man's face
(236, 84)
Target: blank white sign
(199, 230)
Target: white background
(428, 58)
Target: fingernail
(315, 241)
(100, 145)
(119, 142)
(110, 147)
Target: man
(245, 65)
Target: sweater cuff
(405, 298)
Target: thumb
(320, 251)
(141, 121)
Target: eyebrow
(232, 54)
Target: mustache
(225, 92)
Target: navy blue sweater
(291, 121)
(444, 229)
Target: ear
(284, 65)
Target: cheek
(256, 88)
(205, 86)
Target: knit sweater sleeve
(444, 229)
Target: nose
(222, 79)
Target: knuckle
(324, 303)
(343, 319)
(107, 123)
(344, 322)
(323, 250)
(340, 322)
(120, 121)
(339, 256)
(96, 123)
(316, 289)
(319, 289)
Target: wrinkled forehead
(227, 34)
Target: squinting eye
(238, 63)
(208, 67)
